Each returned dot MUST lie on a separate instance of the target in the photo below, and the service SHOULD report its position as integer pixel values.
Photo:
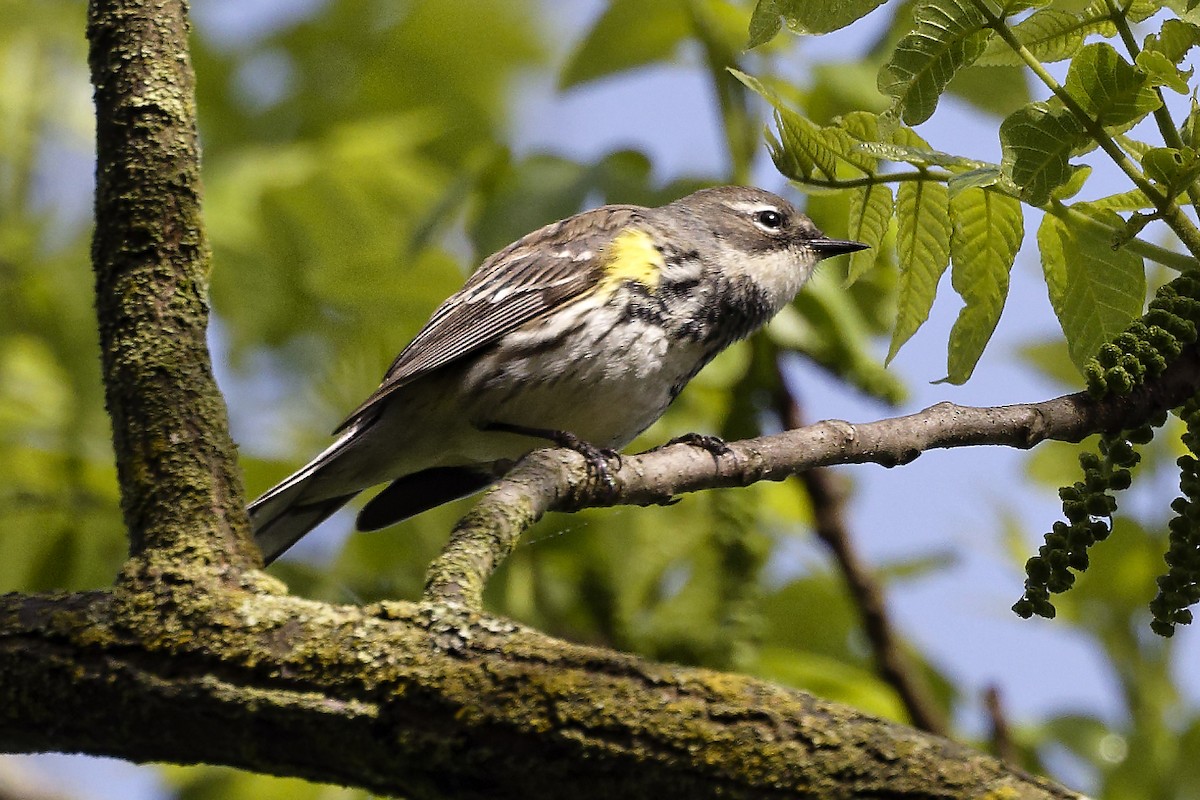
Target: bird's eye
(769, 219)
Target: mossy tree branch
(181, 492)
(435, 701)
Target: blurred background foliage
(358, 163)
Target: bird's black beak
(835, 247)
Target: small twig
(895, 665)
(558, 480)
(1003, 746)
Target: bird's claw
(597, 458)
(713, 444)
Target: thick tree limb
(558, 480)
(434, 701)
(175, 460)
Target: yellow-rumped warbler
(582, 333)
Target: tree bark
(435, 701)
(176, 463)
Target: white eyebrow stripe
(749, 207)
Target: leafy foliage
(349, 197)
(947, 35)
(804, 16)
(986, 233)
(1094, 291)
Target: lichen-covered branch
(558, 480)
(180, 489)
(431, 701)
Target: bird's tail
(282, 515)
(307, 497)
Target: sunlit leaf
(948, 35)
(805, 16)
(923, 248)
(986, 235)
(1094, 289)
(870, 216)
(919, 155)
(1109, 88)
(1161, 71)
(1173, 168)
(1132, 200)
(1079, 175)
(1050, 34)
(1173, 40)
(1037, 142)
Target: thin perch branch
(557, 480)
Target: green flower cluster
(1139, 353)
(1144, 349)
(1088, 506)
(1180, 587)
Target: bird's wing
(536, 274)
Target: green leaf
(1171, 167)
(629, 34)
(1079, 176)
(860, 126)
(1161, 71)
(975, 179)
(1109, 88)
(923, 247)
(1132, 200)
(1134, 147)
(947, 35)
(1037, 141)
(996, 90)
(1050, 35)
(917, 155)
(804, 151)
(826, 323)
(1095, 290)
(805, 16)
(985, 236)
(829, 678)
(870, 215)
(1190, 130)
(1174, 40)
(1136, 11)
(766, 22)
(1010, 7)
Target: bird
(579, 334)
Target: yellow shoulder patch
(632, 256)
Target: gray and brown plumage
(584, 330)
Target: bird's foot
(713, 444)
(597, 458)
